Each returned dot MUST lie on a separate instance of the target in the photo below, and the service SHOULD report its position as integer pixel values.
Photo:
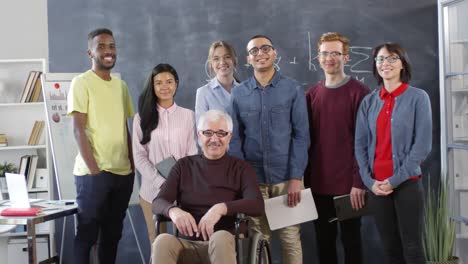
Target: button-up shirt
(212, 96)
(174, 136)
(271, 129)
(383, 163)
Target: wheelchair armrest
(241, 220)
(160, 218)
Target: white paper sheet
(280, 215)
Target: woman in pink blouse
(160, 129)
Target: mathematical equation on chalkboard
(358, 65)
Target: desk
(51, 212)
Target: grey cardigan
(411, 125)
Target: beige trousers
(150, 222)
(169, 249)
(290, 237)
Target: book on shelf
(24, 164)
(27, 86)
(33, 131)
(3, 140)
(37, 91)
(36, 132)
(39, 133)
(31, 174)
(28, 166)
(32, 88)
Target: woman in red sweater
(393, 137)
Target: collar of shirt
(214, 84)
(170, 110)
(253, 84)
(384, 94)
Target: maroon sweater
(197, 183)
(332, 167)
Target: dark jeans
(102, 201)
(399, 219)
(327, 233)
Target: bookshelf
(17, 121)
(453, 65)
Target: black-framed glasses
(332, 54)
(264, 48)
(390, 59)
(219, 133)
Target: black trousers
(327, 233)
(102, 202)
(399, 220)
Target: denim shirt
(411, 125)
(271, 129)
(212, 96)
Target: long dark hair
(147, 103)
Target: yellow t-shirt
(108, 105)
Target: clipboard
(345, 211)
(164, 166)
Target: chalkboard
(179, 32)
(64, 148)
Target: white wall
(23, 35)
(23, 29)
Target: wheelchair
(251, 248)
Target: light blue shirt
(271, 128)
(212, 96)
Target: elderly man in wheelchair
(210, 189)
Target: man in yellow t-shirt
(100, 105)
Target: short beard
(101, 66)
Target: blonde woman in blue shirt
(216, 94)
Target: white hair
(212, 116)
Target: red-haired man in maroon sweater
(332, 169)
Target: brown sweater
(197, 183)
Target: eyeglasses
(332, 54)
(219, 133)
(264, 48)
(390, 59)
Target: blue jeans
(102, 201)
(399, 220)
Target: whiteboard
(55, 87)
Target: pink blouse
(175, 135)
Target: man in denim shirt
(271, 132)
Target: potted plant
(439, 226)
(5, 167)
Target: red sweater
(332, 167)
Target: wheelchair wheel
(259, 250)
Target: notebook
(164, 166)
(280, 215)
(345, 211)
